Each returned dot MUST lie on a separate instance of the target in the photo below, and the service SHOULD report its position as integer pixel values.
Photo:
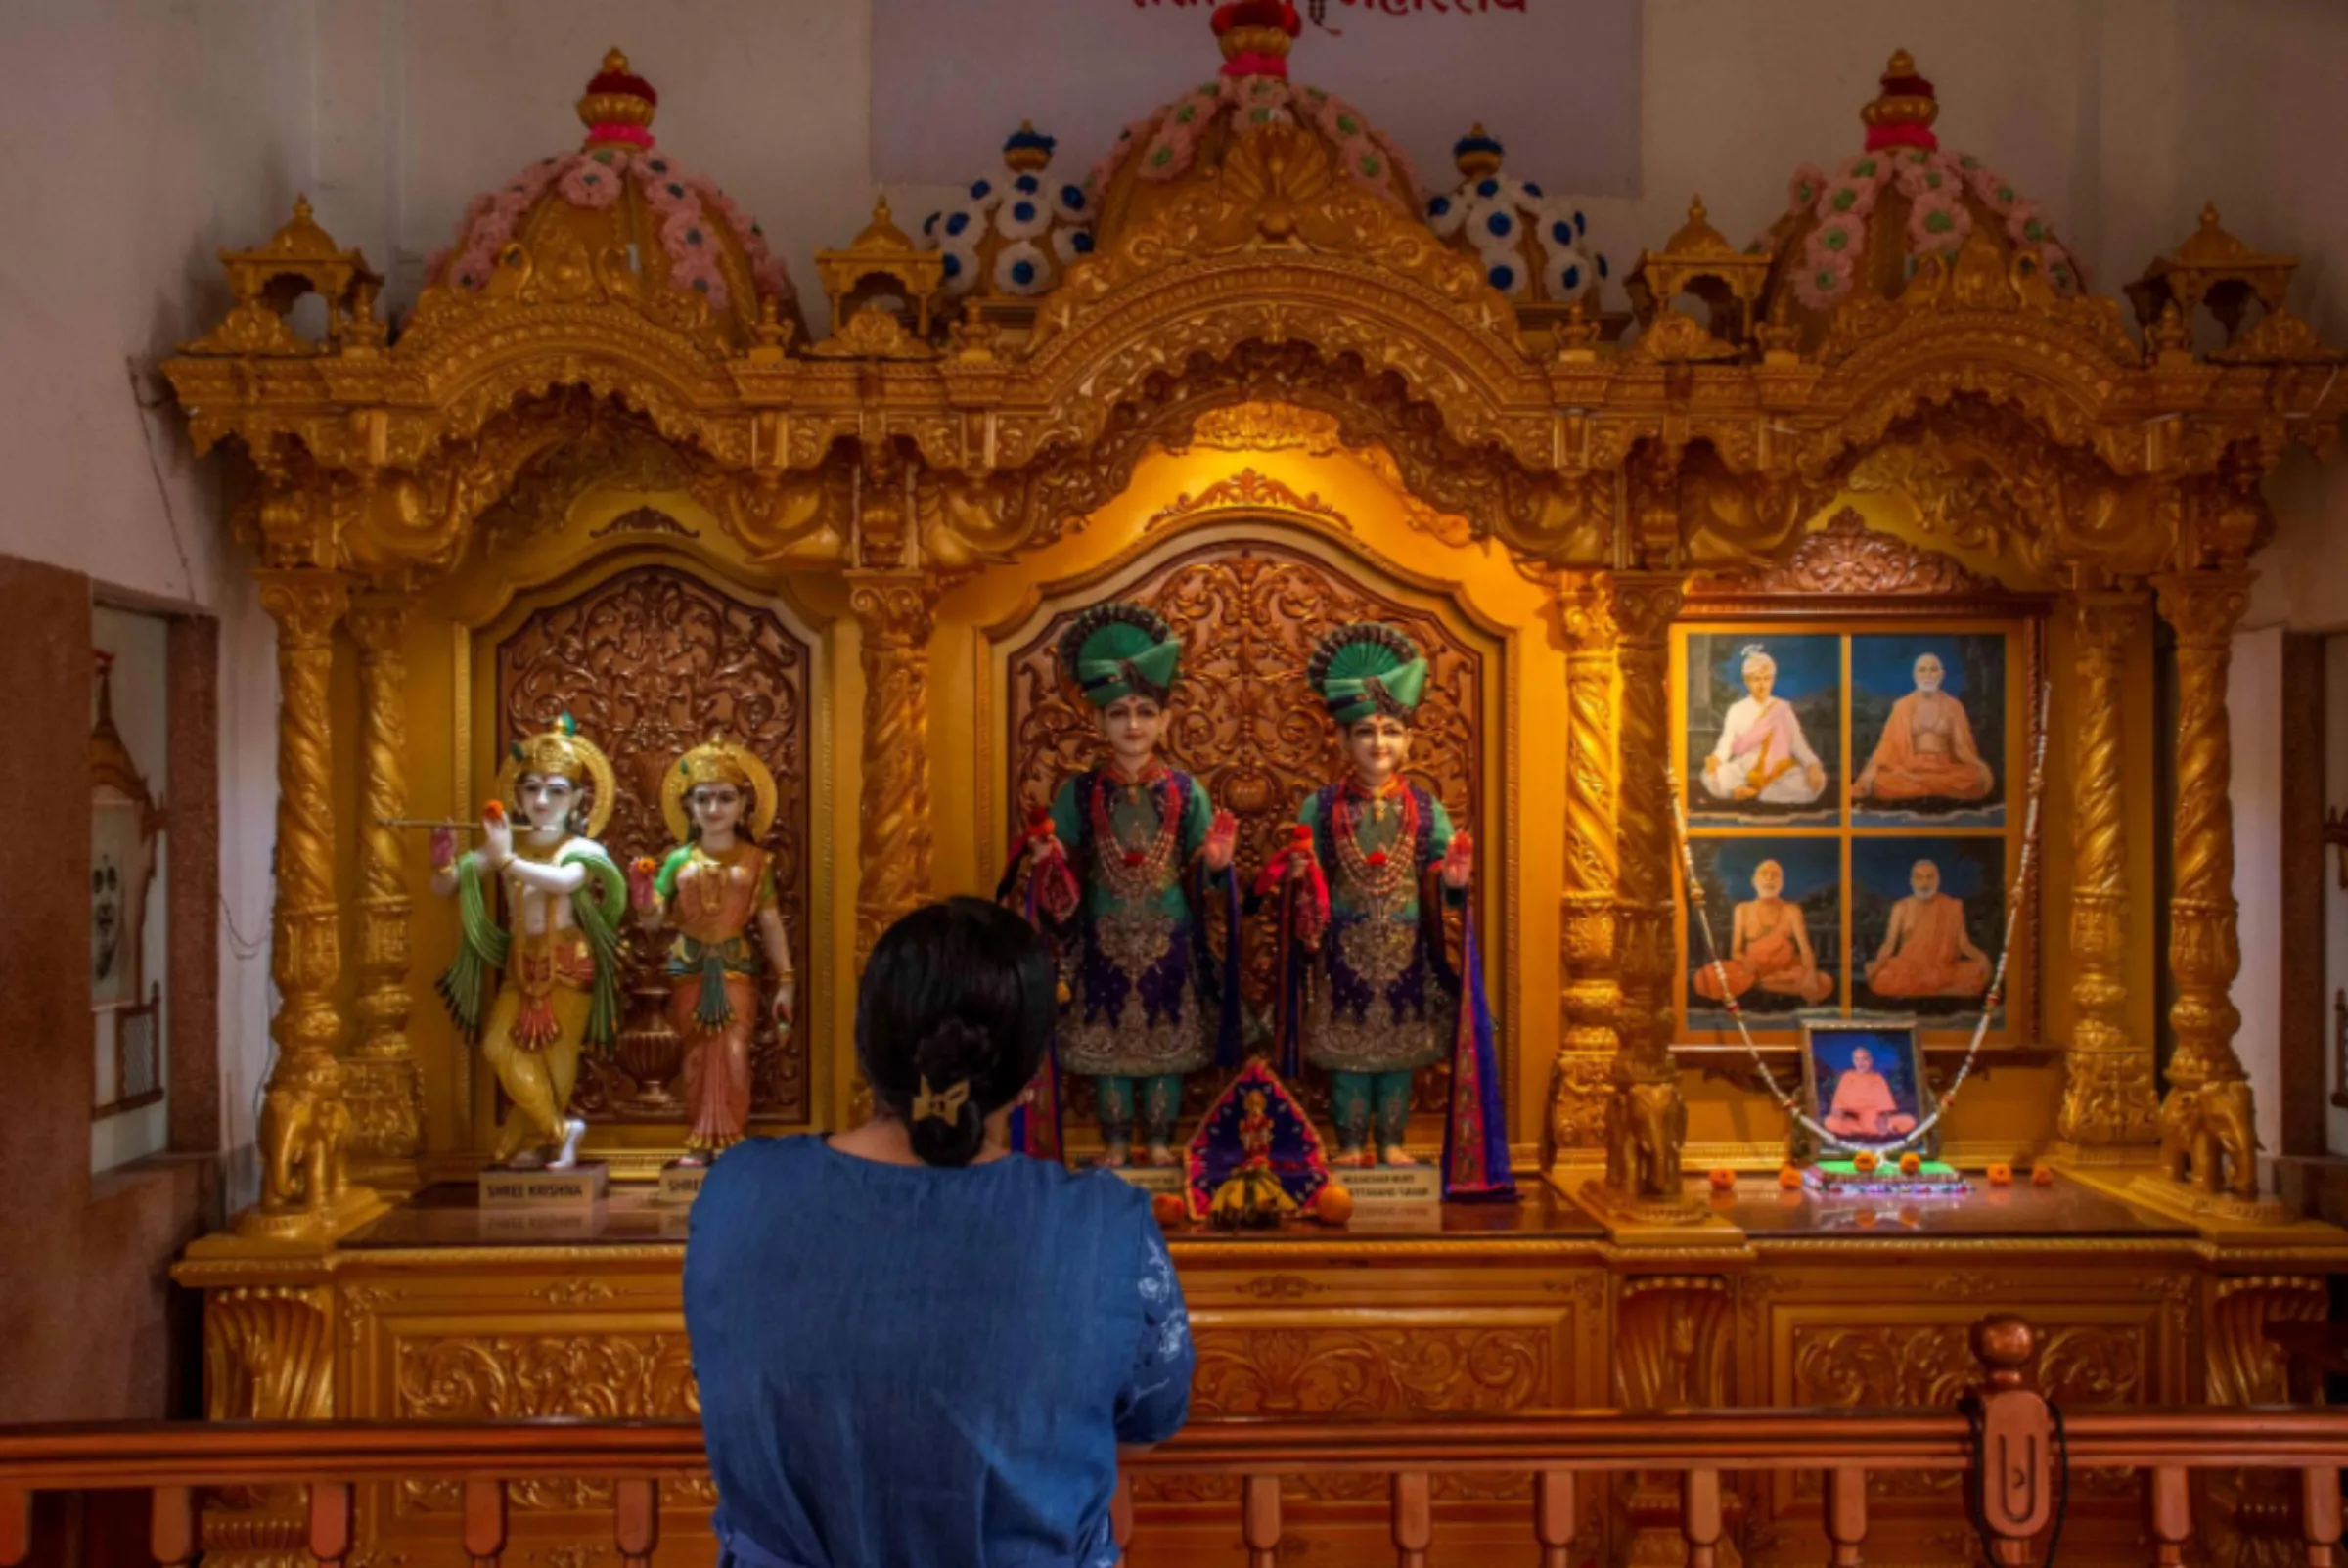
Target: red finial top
(619, 105)
(1255, 34)
(1902, 115)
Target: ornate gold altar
(603, 467)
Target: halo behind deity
(600, 780)
(675, 782)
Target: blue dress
(901, 1365)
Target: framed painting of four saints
(1852, 819)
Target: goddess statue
(1364, 953)
(561, 950)
(713, 888)
(1119, 871)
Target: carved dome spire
(616, 203)
(1184, 144)
(619, 106)
(1882, 212)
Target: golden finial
(883, 233)
(619, 105)
(1903, 113)
(1029, 149)
(1697, 235)
(1476, 154)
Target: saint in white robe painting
(1762, 755)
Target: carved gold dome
(1900, 198)
(1183, 145)
(620, 200)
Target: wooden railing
(2006, 1419)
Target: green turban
(1368, 668)
(1119, 650)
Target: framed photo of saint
(1864, 1082)
(1764, 722)
(1928, 736)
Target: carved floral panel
(1910, 1365)
(1394, 1373)
(595, 1376)
(1245, 724)
(651, 662)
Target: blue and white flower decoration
(1532, 246)
(1015, 229)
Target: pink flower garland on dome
(686, 204)
(1167, 141)
(1935, 184)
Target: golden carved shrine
(612, 465)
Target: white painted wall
(147, 136)
(151, 132)
(2257, 684)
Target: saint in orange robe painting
(1927, 750)
(1862, 1104)
(1769, 947)
(1926, 952)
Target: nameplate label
(580, 1188)
(541, 1224)
(1392, 1185)
(1151, 1178)
(682, 1183)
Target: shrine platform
(441, 1311)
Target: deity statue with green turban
(1369, 992)
(1120, 872)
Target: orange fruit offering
(1169, 1209)
(1334, 1205)
(1789, 1178)
(1911, 1163)
(2001, 1175)
(1723, 1180)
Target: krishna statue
(716, 889)
(1119, 872)
(1369, 994)
(560, 950)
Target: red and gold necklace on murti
(1136, 870)
(1379, 874)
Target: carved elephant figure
(2207, 1136)
(1646, 1123)
(303, 1137)
(2226, 1153)
(2180, 1123)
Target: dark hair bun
(953, 1053)
(957, 1000)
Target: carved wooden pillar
(379, 1077)
(2109, 1102)
(2208, 1108)
(896, 612)
(1590, 1000)
(1646, 1118)
(305, 1124)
